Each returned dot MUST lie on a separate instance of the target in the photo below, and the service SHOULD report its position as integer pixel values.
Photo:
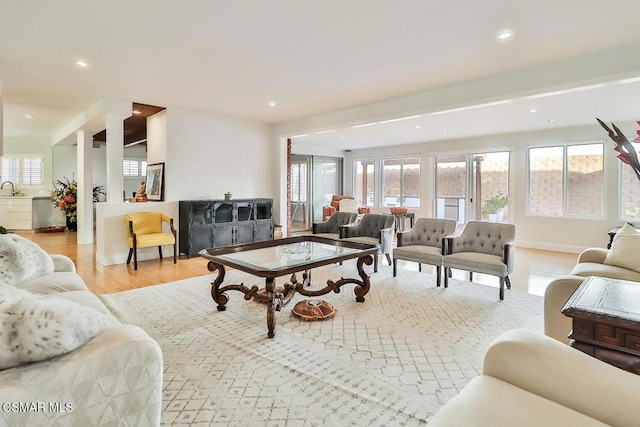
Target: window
(364, 187)
(566, 180)
(134, 167)
(298, 182)
(401, 182)
(630, 192)
(25, 171)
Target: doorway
(314, 181)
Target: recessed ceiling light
(445, 133)
(533, 110)
(341, 136)
(505, 35)
(81, 63)
(417, 126)
(272, 104)
(29, 116)
(136, 112)
(551, 120)
(370, 142)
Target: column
(85, 188)
(115, 154)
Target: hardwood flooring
(534, 269)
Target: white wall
(208, 155)
(65, 163)
(562, 234)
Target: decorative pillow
(21, 259)
(38, 327)
(625, 249)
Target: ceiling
(309, 58)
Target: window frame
(364, 163)
(565, 179)
(402, 190)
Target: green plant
(495, 204)
(3, 230)
(65, 195)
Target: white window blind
(299, 182)
(22, 170)
(130, 168)
(143, 168)
(32, 171)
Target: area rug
(393, 360)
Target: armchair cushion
(417, 253)
(478, 262)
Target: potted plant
(493, 207)
(65, 197)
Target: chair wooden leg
(389, 259)
(375, 263)
(508, 282)
(437, 275)
(450, 274)
(135, 257)
(175, 252)
(501, 288)
(160, 251)
(420, 267)
(471, 276)
(447, 271)
(130, 255)
(395, 267)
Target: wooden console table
(606, 321)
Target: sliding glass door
(326, 179)
(473, 187)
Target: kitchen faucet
(13, 188)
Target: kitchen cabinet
(26, 212)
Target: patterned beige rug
(392, 360)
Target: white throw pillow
(38, 327)
(21, 259)
(625, 249)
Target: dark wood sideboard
(606, 321)
(213, 223)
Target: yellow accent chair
(145, 230)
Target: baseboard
(549, 247)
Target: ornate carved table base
(276, 299)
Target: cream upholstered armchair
(424, 243)
(373, 228)
(331, 227)
(483, 247)
(145, 230)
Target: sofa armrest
(118, 374)
(62, 263)
(596, 255)
(556, 324)
(543, 366)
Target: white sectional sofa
(113, 379)
(529, 379)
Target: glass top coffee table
(284, 257)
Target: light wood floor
(534, 269)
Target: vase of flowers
(65, 197)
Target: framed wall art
(155, 182)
